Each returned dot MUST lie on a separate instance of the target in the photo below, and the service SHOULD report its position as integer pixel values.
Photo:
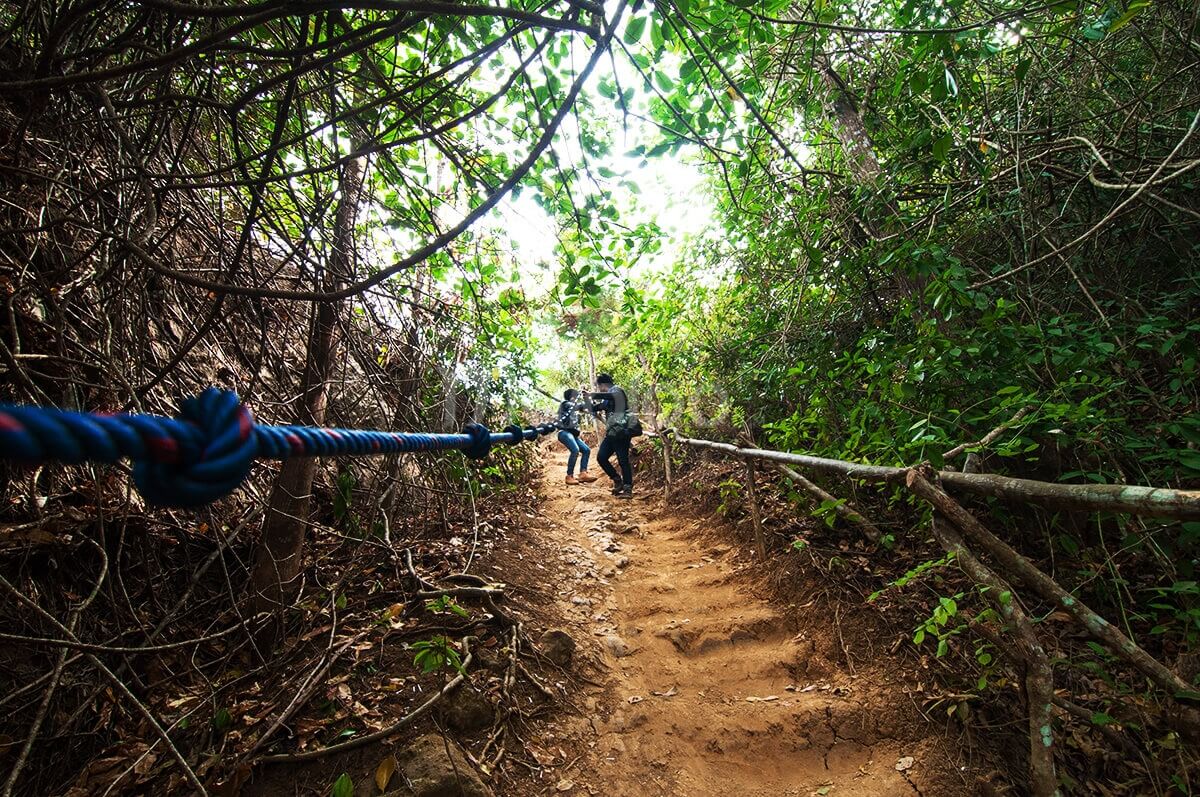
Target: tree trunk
(847, 123)
(280, 553)
(597, 426)
(449, 374)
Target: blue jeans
(576, 446)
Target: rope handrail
(1133, 499)
(206, 452)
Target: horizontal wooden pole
(1132, 499)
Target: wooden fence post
(666, 443)
(759, 538)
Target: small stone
(741, 635)
(436, 768)
(616, 646)
(467, 711)
(557, 646)
(613, 744)
(679, 640)
(904, 763)
(491, 661)
(579, 600)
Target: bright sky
(672, 195)
(672, 185)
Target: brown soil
(696, 685)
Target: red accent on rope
(164, 449)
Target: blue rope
(207, 451)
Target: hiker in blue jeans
(568, 435)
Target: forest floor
(696, 683)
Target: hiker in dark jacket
(568, 435)
(612, 401)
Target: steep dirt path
(703, 688)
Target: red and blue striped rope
(206, 452)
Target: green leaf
(1189, 459)
(1134, 9)
(634, 30)
(656, 36)
(941, 147)
(343, 786)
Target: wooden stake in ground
(760, 540)
(666, 444)
(1039, 678)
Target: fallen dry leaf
(384, 772)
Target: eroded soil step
(700, 687)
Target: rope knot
(202, 456)
(481, 441)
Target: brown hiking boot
(585, 477)
(572, 480)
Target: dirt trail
(708, 689)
